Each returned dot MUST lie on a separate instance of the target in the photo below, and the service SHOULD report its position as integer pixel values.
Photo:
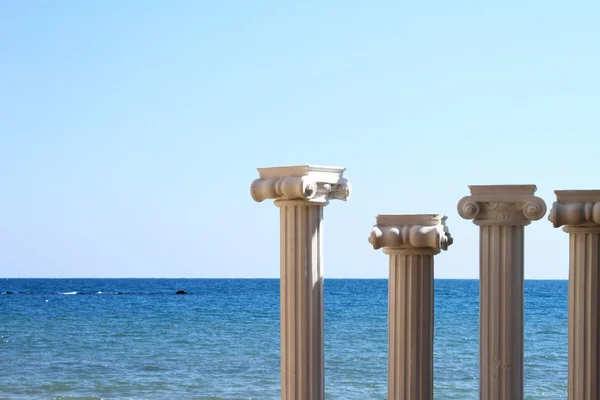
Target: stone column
(501, 212)
(411, 241)
(579, 212)
(301, 192)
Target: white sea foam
(69, 293)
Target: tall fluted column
(301, 192)
(411, 241)
(501, 212)
(579, 211)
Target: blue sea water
(136, 339)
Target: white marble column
(579, 212)
(411, 241)
(501, 212)
(301, 192)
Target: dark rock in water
(9, 293)
(181, 292)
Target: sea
(137, 339)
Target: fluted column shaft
(301, 192)
(410, 324)
(411, 241)
(584, 299)
(501, 312)
(501, 212)
(301, 291)
(579, 212)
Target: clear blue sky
(130, 131)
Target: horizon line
(272, 278)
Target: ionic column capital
(309, 183)
(579, 210)
(417, 234)
(502, 205)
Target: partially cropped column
(501, 212)
(301, 192)
(579, 212)
(411, 241)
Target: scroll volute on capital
(286, 187)
(575, 214)
(410, 236)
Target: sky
(130, 131)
